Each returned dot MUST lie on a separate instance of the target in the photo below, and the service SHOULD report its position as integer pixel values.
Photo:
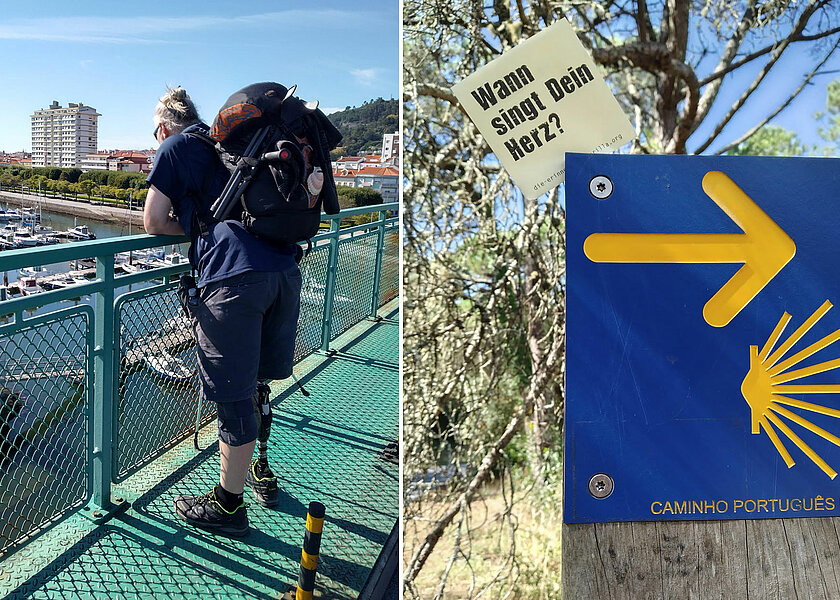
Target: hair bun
(177, 109)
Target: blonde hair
(176, 110)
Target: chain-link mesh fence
(313, 269)
(389, 276)
(158, 387)
(353, 282)
(44, 421)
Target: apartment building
(97, 161)
(391, 148)
(385, 180)
(63, 136)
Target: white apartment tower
(391, 148)
(62, 137)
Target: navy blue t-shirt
(180, 169)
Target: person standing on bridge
(244, 310)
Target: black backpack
(277, 149)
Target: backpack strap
(201, 218)
(204, 220)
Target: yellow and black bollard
(311, 546)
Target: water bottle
(192, 296)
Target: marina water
(46, 463)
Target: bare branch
(729, 52)
(692, 96)
(643, 25)
(482, 475)
(652, 57)
(806, 80)
(431, 90)
(719, 74)
(801, 23)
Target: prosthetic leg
(263, 410)
(259, 477)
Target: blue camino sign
(703, 340)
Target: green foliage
(39, 172)
(771, 140)
(7, 179)
(71, 175)
(86, 186)
(363, 127)
(350, 197)
(99, 177)
(112, 180)
(117, 179)
(829, 129)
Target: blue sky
(782, 80)
(119, 57)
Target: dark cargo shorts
(245, 330)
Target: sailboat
(80, 232)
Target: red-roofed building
(16, 158)
(119, 160)
(349, 162)
(345, 177)
(130, 161)
(385, 180)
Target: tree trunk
(762, 559)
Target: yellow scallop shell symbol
(768, 380)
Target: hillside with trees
(364, 126)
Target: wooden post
(762, 559)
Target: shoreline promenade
(74, 208)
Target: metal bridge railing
(99, 379)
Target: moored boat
(80, 232)
(29, 285)
(170, 368)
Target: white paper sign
(540, 100)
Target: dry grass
(529, 569)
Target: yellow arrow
(764, 248)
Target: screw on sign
(600, 485)
(601, 187)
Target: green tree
(70, 175)
(86, 187)
(37, 182)
(64, 187)
(7, 179)
(351, 197)
(771, 140)
(829, 119)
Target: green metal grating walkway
(327, 447)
